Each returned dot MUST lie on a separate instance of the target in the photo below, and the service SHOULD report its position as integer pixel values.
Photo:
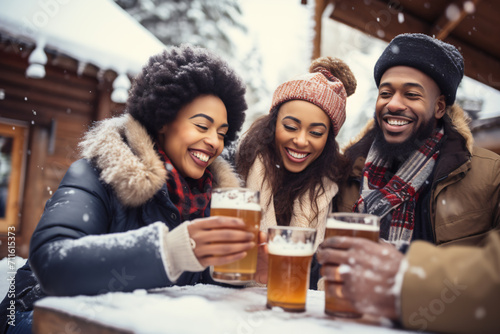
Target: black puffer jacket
(102, 229)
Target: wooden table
(192, 309)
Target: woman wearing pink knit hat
(291, 155)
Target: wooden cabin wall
(57, 110)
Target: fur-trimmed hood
(459, 120)
(124, 152)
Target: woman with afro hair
(291, 155)
(133, 212)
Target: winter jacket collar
(457, 147)
(122, 150)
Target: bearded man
(415, 165)
(417, 168)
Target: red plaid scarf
(190, 196)
(400, 193)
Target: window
(12, 161)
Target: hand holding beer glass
(240, 203)
(352, 225)
(290, 254)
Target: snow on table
(208, 309)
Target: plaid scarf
(380, 196)
(190, 196)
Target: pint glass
(352, 225)
(290, 255)
(241, 203)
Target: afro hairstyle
(177, 76)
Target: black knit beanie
(439, 60)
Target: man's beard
(399, 152)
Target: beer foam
(236, 204)
(279, 246)
(332, 223)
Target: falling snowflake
(395, 49)
(469, 7)
(480, 313)
(453, 12)
(401, 17)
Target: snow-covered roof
(98, 32)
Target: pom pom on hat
(328, 86)
(439, 60)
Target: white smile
(201, 156)
(397, 122)
(297, 155)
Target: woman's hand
(262, 259)
(367, 269)
(220, 240)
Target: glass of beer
(349, 224)
(241, 203)
(290, 255)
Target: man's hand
(368, 270)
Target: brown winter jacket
(457, 289)
(452, 289)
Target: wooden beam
(376, 19)
(478, 65)
(319, 8)
(103, 108)
(14, 110)
(443, 26)
(381, 21)
(36, 97)
(34, 187)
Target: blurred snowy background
(271, 41)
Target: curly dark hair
(177, 76)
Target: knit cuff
(178, 254)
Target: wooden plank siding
(58, 109)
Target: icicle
(121, 86)
(37, 61)
(81, 68)
(100, 75)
